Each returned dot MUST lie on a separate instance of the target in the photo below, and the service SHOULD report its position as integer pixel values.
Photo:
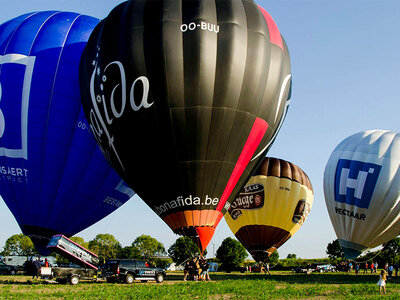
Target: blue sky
(346, 73)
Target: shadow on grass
(331, 278)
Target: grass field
(279, 285)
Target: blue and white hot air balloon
(53, 177)
(362, 190)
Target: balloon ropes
(53, 178)
(362, 188)
(186, 102)
(271, 207)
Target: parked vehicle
(73, 275)
(128, 270)
(325, 268)
(84, 266)
(7, 269)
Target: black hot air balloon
(184, 97)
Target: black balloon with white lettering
(184, 98)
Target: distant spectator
(36, 265)
(396, 268)
(376, 267)
(390, 271)
(366, 268)
(372, 268)
(357, 268)
(46, 263)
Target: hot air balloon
(362, 190)
(271, 207)
(184, 97)
(53, 177)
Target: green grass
(279, 285)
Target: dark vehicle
(73, 275)
(7, 269)
(128, 270)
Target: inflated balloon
(362, 190)
(271, 207)
(184, 98)
(53, 178)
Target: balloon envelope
(185, 102)
(53, 178)
(362, 188)
(271, 207)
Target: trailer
(86, 261)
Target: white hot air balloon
(362, 190)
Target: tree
(291, 256)
(19, 244)
(130, 252)
(391, 251)
(182, 249)
(231, 254)
(105, 246)
(274, 258)
(148, 247)
(80, 241)
(334, 250)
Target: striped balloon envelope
(186, 101)
(362, 190)
(271, 207)
(53, 177)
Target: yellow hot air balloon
(271, 207)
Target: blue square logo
(355, 182)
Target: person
(382, 282)
(196, 269)
(37, 267)
(366, 268)
(376, 267)
(350, 267)
(372, 267)
(204, 269)
(390, 271)
(267, 269)
(188, 270)
(396, 268)
(250, 269)
(357, 268)
(46, 263)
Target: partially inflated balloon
(53, 178)
(271, 207)
(362, 190)
(184, 97)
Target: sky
(345, 64)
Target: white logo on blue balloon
(2, 121)
(16, 146)
(355, 182)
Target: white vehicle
(174, 267)
(326, 268)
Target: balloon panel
(53, 178)
(271, 207)
(362, 187)
(187, 103)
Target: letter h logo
(355, 182)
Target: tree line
(389, 253)
(230, 254)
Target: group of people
(33, 266)
(196, 268)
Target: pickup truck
(128, 270)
